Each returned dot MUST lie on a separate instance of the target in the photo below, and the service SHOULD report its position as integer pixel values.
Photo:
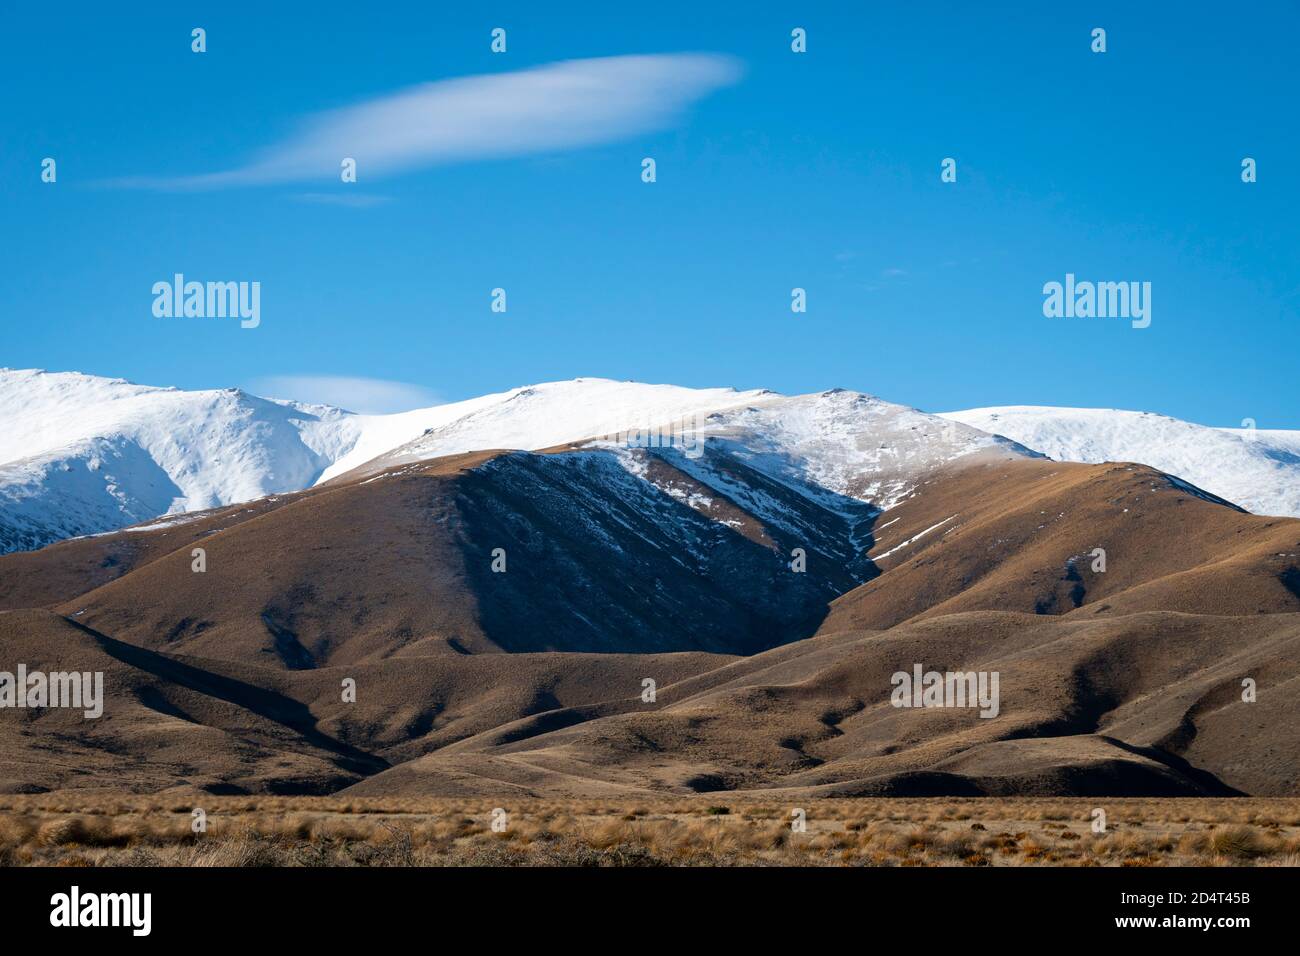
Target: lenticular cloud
(559, 106)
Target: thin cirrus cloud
(367, 396)
(559, 106)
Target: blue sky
(818, 170)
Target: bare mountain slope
(604, 551)
(1028, 535)
(1142, 704)
(177, 722)
(1109, 684)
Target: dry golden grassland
(71, 829)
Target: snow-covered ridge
(848, 443)
(1255, 468)
(83, 455)
(80, 454)
(536, 416)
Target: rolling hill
(624, 564)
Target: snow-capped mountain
(82, 455)
(534, 416)
(845, 442)
(848, 443)
(1257, 469)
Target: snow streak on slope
(1258, 470)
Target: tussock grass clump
(1239, 842)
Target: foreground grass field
(74, 830)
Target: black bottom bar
(337, 905)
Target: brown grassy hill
(1149, 703)
(172, 721)
(1019, 535)
(166, 722)
(66, 569)
(400, 563)
(1146, 704)
(527, 682)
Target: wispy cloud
(369, 396)
(559, 106)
